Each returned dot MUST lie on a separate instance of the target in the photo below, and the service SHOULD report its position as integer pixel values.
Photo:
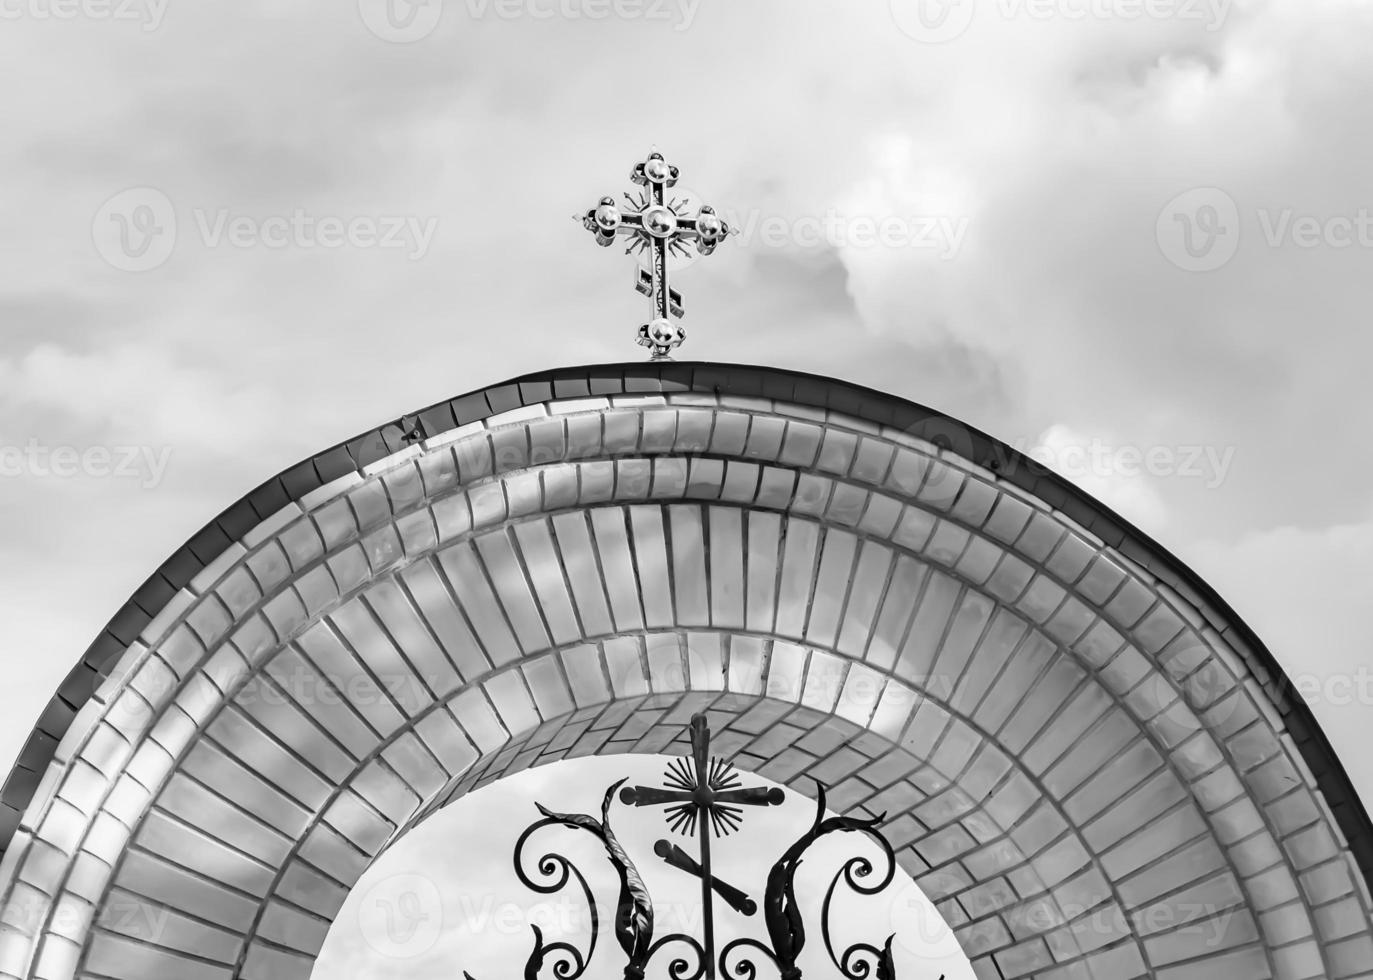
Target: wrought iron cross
(659, 227)
(702, 799)
(705, 798)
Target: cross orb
(659, 227)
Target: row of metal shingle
(810, 390)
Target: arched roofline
(601, 381)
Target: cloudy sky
(1131, 235)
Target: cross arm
(705, 229)
(644, 284)
(682, 861)
(608, 221)
(754, 796)
(653, 796)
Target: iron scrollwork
(705, 799)
(633, 911)
(570, 962)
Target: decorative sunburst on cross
(702, 800)
(724, 818)
(658, 227)
(710, 789)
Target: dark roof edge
(666, 377)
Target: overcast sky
(1132, 235)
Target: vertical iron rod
(707, 897)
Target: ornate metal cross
(659, 227)
(706, 799)
(703, 799)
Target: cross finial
(658, 226)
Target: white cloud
(1118, 476)
(136, 393)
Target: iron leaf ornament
(705, 798)
(634, 912)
